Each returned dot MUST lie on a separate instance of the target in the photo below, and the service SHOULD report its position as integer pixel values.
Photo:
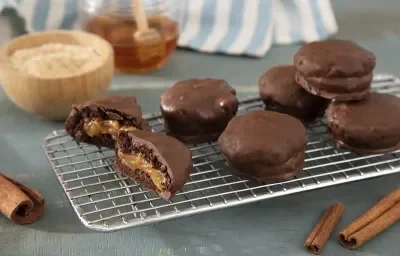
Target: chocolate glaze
(121, 108)
(340, 85)
(270, 173)
(167, 154)
(350, 89)
(363, 150)
(335, 69)
(264, 145)
(334, 58)
(198, 110)
(368, 126)
(280, 92)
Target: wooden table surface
(272, 227)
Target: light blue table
(274, 227)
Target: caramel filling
(95, 127)
(138, 162)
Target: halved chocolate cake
(98, 121)
(159, 162)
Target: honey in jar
(117, 25)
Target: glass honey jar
(115, 21)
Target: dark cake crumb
(123, 109)
(127, 147)
(165, 153)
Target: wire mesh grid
(107, 201)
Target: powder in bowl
(56, 60)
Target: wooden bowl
(52, 98)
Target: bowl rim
(5, 63)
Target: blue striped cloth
(235, 27)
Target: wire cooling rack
(107, 201)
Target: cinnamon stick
(322, 231)
(378, 218)
(22, 205)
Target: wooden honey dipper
(148, 41)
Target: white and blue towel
(235, 27)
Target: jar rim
(120, 8)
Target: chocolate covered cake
(281, 93)
(369, 126)
(335, 69)
(98, 121)
(264, 145)
(159, 162)
(198, 110)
